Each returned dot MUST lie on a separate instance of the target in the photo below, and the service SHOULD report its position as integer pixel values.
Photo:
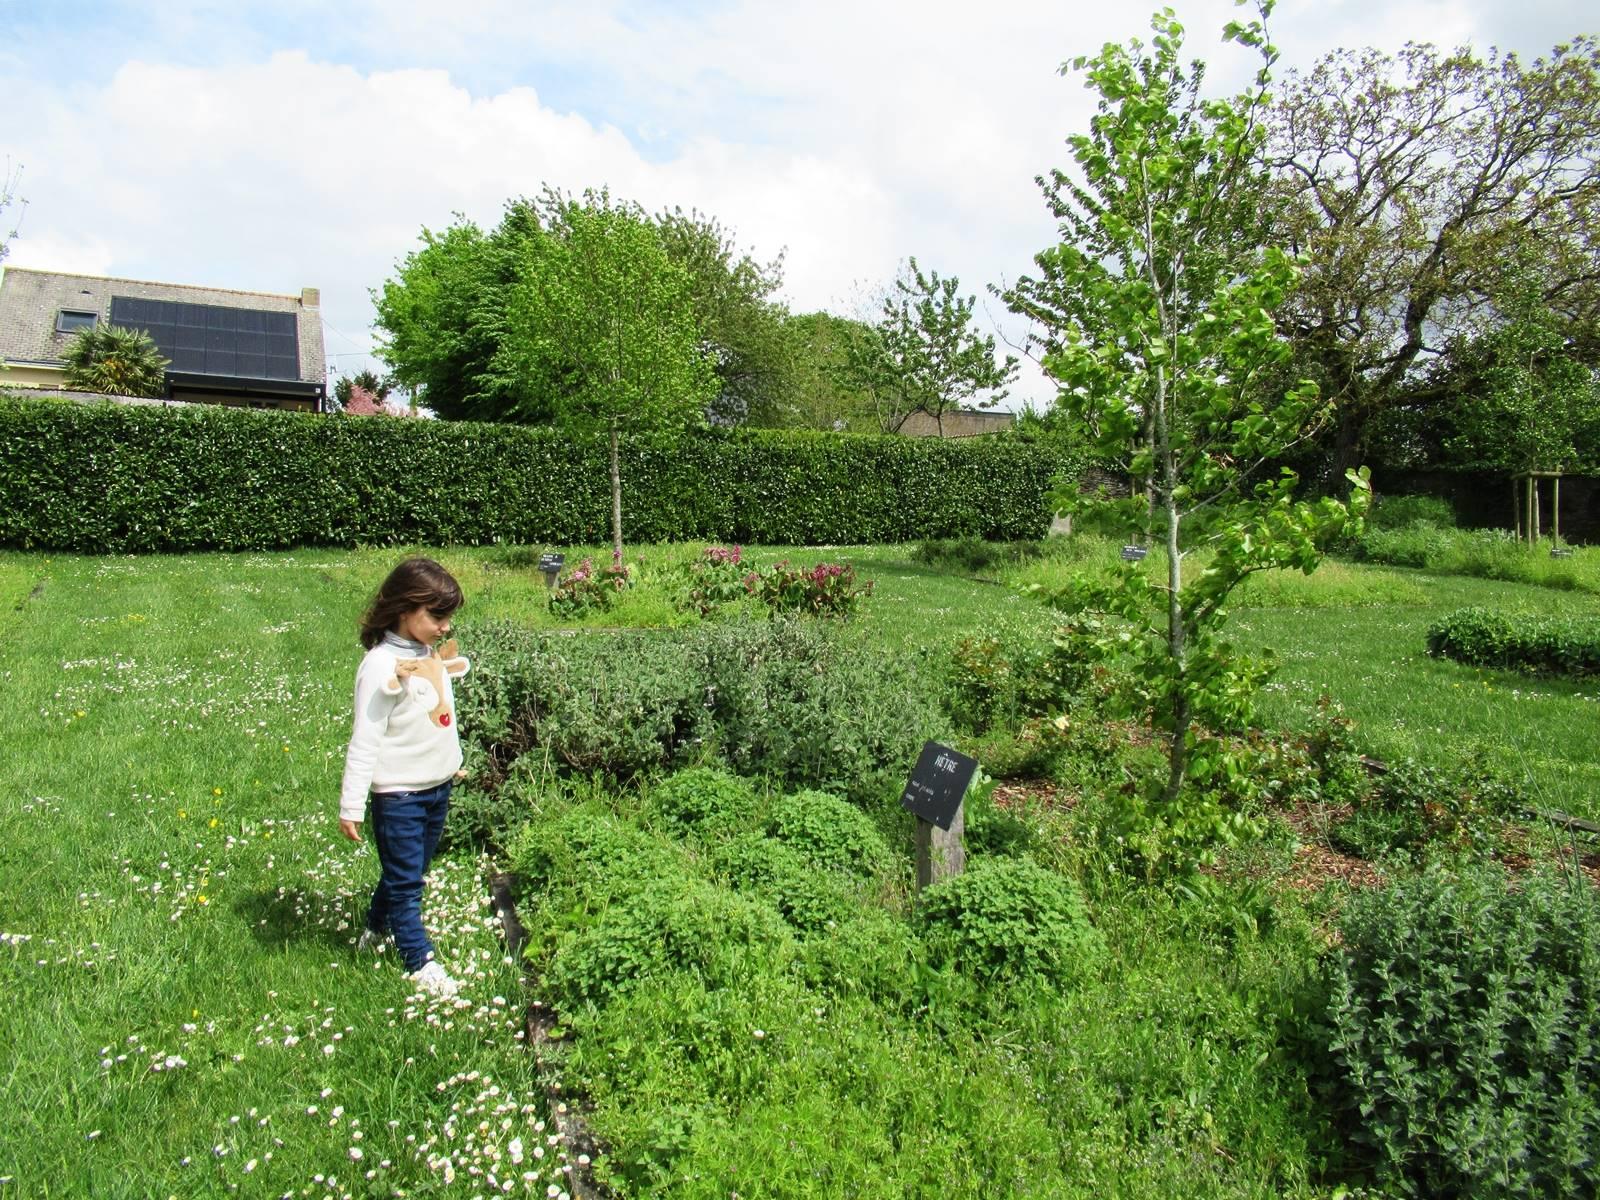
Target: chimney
(311, 297)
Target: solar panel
(215, 339)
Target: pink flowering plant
(825, 590)
(713, 580)
(584, 589)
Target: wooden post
(1533, 504)
(1555, 511)
(1532, 526)
(1516, 509)
(940, 853)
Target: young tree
(115, 361)
(822, 395)
(1408, 183)
(367, 380)
(603, 310)
(1156, 309)
(732, 295)
(923, 355)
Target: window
(70, 320)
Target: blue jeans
(406, 828)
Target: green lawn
(184, 1011)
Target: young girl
(404, 750)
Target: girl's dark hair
(415, 583)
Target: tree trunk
(616, 500)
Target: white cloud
(851, 134)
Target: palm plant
(116, 362)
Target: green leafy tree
(604, 311)
(923, 355)
(446, 316)
(822, 394)
(115, 362)
(1521, 400)
(1157, 323)
(742, 324)
(1407, 183)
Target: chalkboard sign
(938, 783)
(1134, 553)
(550, 564)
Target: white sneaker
(371, 942)
(431, 977)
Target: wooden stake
(940, 852)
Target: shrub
(713, 580)
(1460, 1039)
(668, 925)
(704, 799)
(1007, 922)
(1003, 677)
(1533, 645)
(1398, 512)
(1412, 808)
(809, 900)
(115, 361)
(829, 833)
(587, 854)
(825, 590)
(584, 589)
(122, 478)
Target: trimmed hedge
(1533, 645)
(123, 478)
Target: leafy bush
(786, 699)
(825, 590)
(123, 478)
(588, 855)
(713, 580)
(584, 589)
(829, 833)
(704, 799)
(1009, 921)
(1398, 512)
(1412, 807)
(1531, 644)
(810, 901)
(1002, 677)
(1484, 553)
(1460, 1038)
(668, 925)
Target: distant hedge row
(122, 478)
(1534, 645)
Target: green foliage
(973, 556)
(822, 395)
(829, 833)
(1414, 184)
(1460, 1037)
(584, 857)
(1412, 809)
(1399, 512)
(1157, 316)
(1001, 678)
(366, 379)
(1484, 553)
(115, 362)
(669, 925)
(584, 590)
(922, 354)
(824, 590)
(811, 901)
(1531, 644)
(121, 478)
(704, 800)
(713, 580)
(785, 699)
(1008, 922)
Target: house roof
(30, 301)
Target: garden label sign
(938, 783)
(934, 795)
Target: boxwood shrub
(1531, 644)
(131, 479)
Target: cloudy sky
(273, 146)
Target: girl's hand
(351, 829)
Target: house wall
(962, 423)
(30, 300)
(31, 375)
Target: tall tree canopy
(447, 314)
(1408, 184)
(603, 312)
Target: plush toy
(427, 676)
